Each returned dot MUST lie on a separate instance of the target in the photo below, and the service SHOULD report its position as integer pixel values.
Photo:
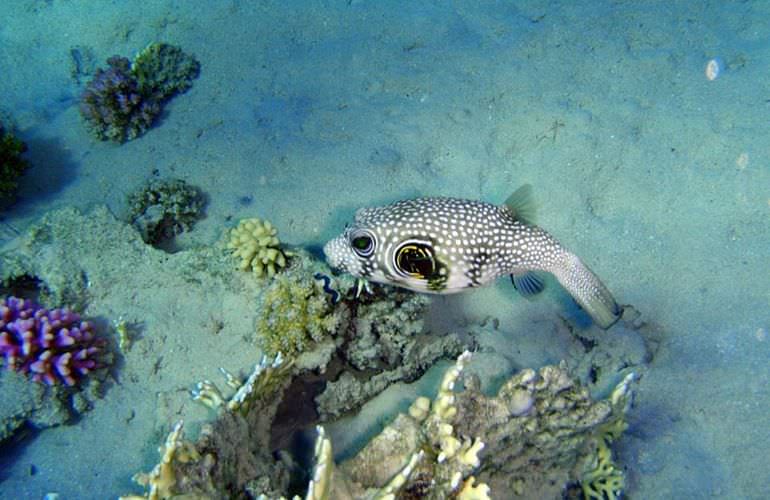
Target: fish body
(449, 245)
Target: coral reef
(541, 429)
(121, 102)
(163, 70)
(255, 243)
(535, 436)
(370, 342)
(600, 478)
(12, 165)
(52, 346)
(114, 106)
(98, 265)
(384, 343)
(163, 208)
(426, 437)
(232, 456)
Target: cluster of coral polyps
(52, 346)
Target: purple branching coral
(114, 106)
(122, 101)
(52, 346)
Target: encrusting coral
(163, 208)
(255, 242)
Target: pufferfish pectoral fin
(521, 204)
(528, 284)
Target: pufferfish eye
(362, 243)
(416, 259)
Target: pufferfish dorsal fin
(522, 205)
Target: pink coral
(53, 346)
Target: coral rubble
(51, 346)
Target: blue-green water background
(656, 175)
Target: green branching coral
(163, 70)
(11, 163)
(295, 312)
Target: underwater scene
(358, 249)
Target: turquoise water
(652, 170)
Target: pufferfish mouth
(334, 251)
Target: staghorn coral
(255, 243)
(266, 372)
(51, 346)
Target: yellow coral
(320, 484)
(255, 243)
(602, 479)
(294, 314)
(470, 492)
(162, 480)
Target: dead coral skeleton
(208, 394)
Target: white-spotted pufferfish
(448, 245)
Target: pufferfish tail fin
(588, 291)
(521, 204)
